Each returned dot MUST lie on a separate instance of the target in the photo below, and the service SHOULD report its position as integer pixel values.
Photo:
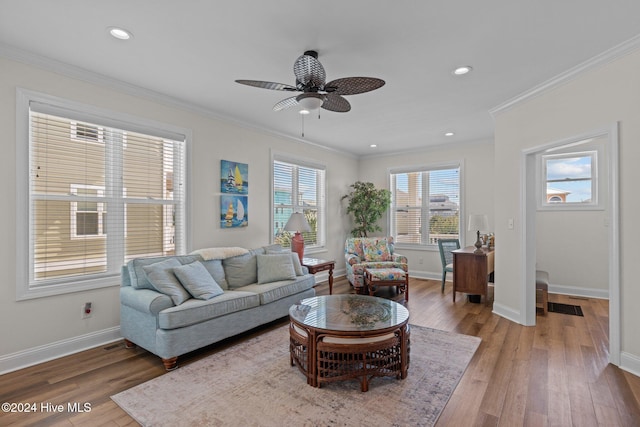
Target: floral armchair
(371, 252)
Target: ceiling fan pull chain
(302, 118)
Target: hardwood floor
(555, 374)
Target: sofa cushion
(195, 310)
(274, 291)
(197, 281)
(214, 267)
(161, 277)
(376, 250)
(295, 259)
(274, 267)
(137, 275)
(242, 270)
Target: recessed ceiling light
(462, 70)
(449, 134)
(120, 33)
(373, 146)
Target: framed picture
(234, 211)
(234, 177)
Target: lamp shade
(478, 222)
(297, 222)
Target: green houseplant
(367, 204)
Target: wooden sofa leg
(129, 344)
(171, 363)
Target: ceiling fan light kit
(309, 102)
(316, 92)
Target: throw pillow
(197, 281)
(295, 259)
(161, 277)
(215, 269)
(240, 270)
(375, 250)
(272, 268)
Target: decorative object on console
(297, 222)
(478, 222)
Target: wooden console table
(471, 271)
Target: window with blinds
(298, 187)
(425, 205)
(98, 196)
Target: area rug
(556, 307)
(253, 384)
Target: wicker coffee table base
(327, 358)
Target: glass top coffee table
(339, 337)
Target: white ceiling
(194, 50)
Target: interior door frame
(528, 260)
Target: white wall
(45, 327)
(477, 186)
(596, 99)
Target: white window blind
(425, 205)
(298, 187)
(98, 197)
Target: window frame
(426, 198)
(26, 288)
(321, 199)
(544, 204)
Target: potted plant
(367, 204)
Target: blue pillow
(161, 277)
(197, 281)
(272, 268)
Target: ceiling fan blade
(309, 71)
(353, 85)
(285, 103)
(267, 85)
(336, 103)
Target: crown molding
(599, 60)
(53, 65)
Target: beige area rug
(253, 384)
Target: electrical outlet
(87, 310)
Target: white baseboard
(427, 275)
(44, 353)
(630, 363)
(507, 312)
(579, 292)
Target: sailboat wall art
(234, 211)
(234, 177)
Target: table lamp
(297, 222)
(478, 222)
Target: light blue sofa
(152, 320)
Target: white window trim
(91, 114)
(322, 211)
(426, 168)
